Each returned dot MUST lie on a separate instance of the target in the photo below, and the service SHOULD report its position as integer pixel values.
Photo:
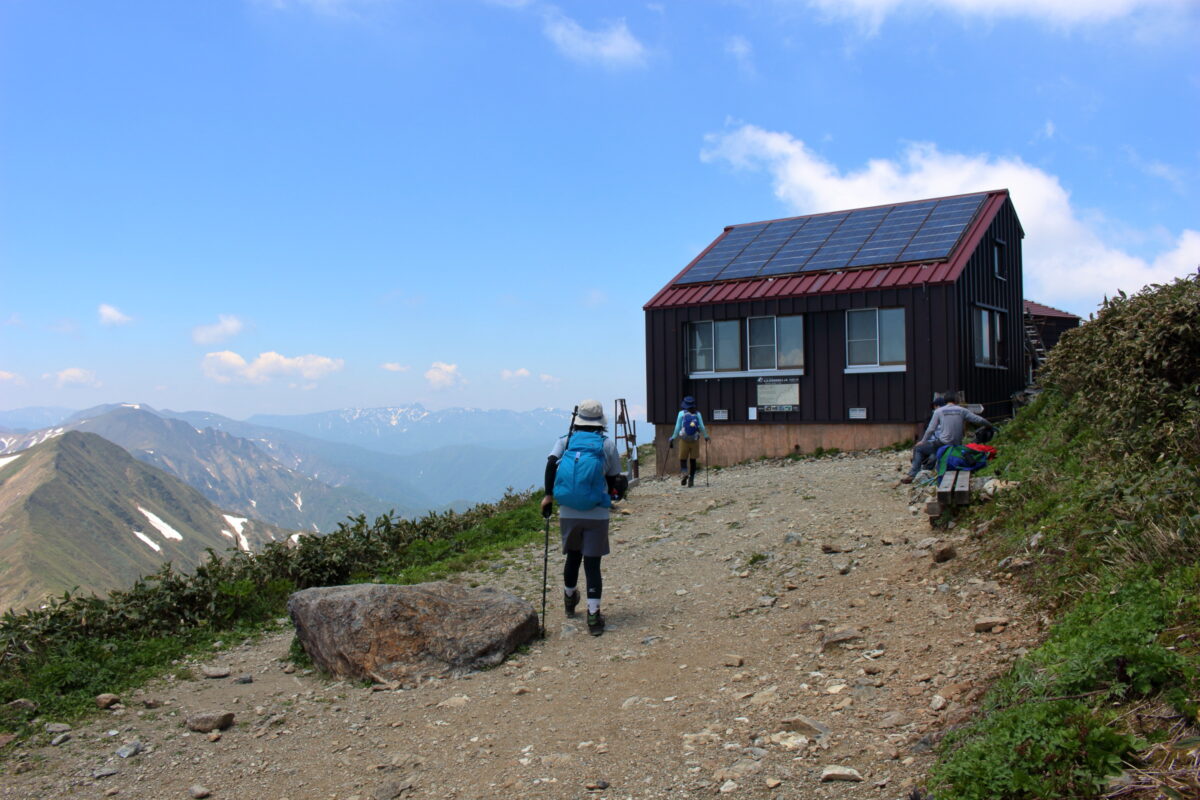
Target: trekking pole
(546, 549)
(545, 568)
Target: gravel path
(787, 619)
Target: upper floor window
(875, 340)
(772, 343)
(989, 343)
(998, 258)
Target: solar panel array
(922, 231)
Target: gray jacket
(948, 423)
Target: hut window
(775, 342)
(998, 258)
(875, 340)
(714, 346)
(761, 340)
(989, 338)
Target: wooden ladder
(1033, 342)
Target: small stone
(773, 783)
(841, 546)
(727, 787)
(457, 701)
(943, 553)
(112, 792)
(596, 786)
(129, 750)
(766, 601)
(62, 738)
(244, 679)
(57, 727)
(197, 791)
(839, 636)
(214, 737)
(22, 704)
(835, 772)
(894, 719)
(105, 772)
(106, 700)
(209, 721)
(215, 672)
(288, 669)
(807, 727)
(985, 624)
(390, 791)
(733, 660)
(938, 703)
(519, 690)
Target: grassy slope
(1108, 512)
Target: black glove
(670, 444)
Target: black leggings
(687, 465)
(591, 571)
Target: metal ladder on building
(625, 433)
(1033, 343)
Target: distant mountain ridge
(230, 471)
(80, 511)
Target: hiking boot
(571, 602)
(683, 480)
(907, 479)
(691, 480)
(595, 623)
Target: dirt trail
(746, 619)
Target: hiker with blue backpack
(689, 427)
(582, 474)
(946, 427)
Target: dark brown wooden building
(838, 329)
(1049, 322)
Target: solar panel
(927, 230)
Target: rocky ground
(790, 630)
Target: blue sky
(287, 206)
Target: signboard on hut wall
(778, 394)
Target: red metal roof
(1039, 310)
(888, 276)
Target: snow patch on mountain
(153, 544)
(166, 530)
(6, 459)
(238, 524)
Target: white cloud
(1067, 262)
(392, 366)
(742, 51)
(228, 367)
(11, 377)
(73, 375)
(510, 374)
(226, 326)
(549, 379)
(111, 315)
(443, 376)
(871, 13)
(613, 46)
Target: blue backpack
(956, 456)
(689, 427)
(579, 482)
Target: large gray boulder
(406, 633)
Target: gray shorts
(588, 535)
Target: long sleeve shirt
(679, 424)
(948, 423)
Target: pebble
(129, 750)
(986, 624)
(106, 700)
(596, 786)
(57, 727)
(197, 791)
(215, 672)
(835, 772)
(209, 721)
(62, 738)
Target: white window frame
(743, 336)
(712, 326)
(987, 328)
(774, 346)
(876, 367)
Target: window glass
(998, 259)
(790, 342)
(988, 335)
(891, 336)
(761, 338)
(860, 338)
(728, 345)
(700, 346)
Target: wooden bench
(954, 489)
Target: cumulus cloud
(743, 53)
(549, 379)
(392, 366)
(229, 367)
(73, 375)
(871, 13)
(443, 376)
(111, 315)
(612, 46)
(510, 374)
(226, 326)
(11, 377)
(1067, 261)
